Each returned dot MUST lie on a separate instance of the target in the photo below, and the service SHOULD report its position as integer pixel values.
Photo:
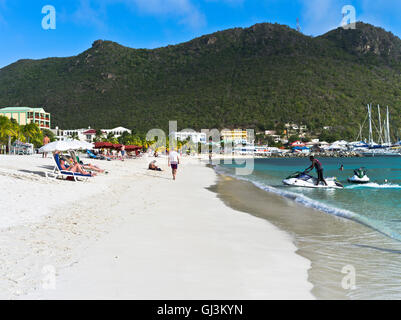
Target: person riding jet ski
(319, 169)
(360, 176)
(303, 179)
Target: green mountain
(243, 77)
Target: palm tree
(74, 136)
(8, 130)
(32, 133)
(124, 138)
(110, 137)
(98, 135)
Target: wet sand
(329, 242)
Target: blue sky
(155, 23)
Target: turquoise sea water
(376, 205)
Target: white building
(196, 137)
(63, 135)
(87, 134)
(118, 132)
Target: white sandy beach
(136, 234)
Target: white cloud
(86, 14)
(320, 16)
(380, 13)
(184, 10)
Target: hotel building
(25, 115)
(236, 137)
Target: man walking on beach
(173, 161)
(46, 141)
(319, 169)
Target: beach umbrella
(66, 146)
(86, 145)
(117, 146)
(103, 145)
(57, 146)
(77, 145)
(132, 148)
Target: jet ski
(360, 176)
(302, 179)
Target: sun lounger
(58, 172)
(94, 156)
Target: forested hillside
(249, 78)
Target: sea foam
(299, 198)
(375, 185)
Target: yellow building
(236, 136)
(25, 115)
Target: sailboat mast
(388, 128)
(370, 125)
(380, 126)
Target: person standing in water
(173, 161)
(319, 169)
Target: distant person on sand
(46, 141)
(319, 169)
(153, 166)
(123, 152)
(173, 161)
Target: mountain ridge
(242, 77)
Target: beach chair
(58, 172)
(99, 157)
(92, 155)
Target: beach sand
(136, 234)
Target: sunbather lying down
(153, 166)
(87, 166)
(73, 167)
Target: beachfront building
(90, 135)
(117, 132)
(236, 137)
(86, 134)
(270, 132)
(26, 115)
(195, 137)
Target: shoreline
(329, 242)
(153, 241)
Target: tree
(280, 127)
(50, 134)
(74, 136)
(7, 131)
(98, 135)
(293, 138)
(111, 138)
(124, 138)
(329, 136)
(32, 134)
